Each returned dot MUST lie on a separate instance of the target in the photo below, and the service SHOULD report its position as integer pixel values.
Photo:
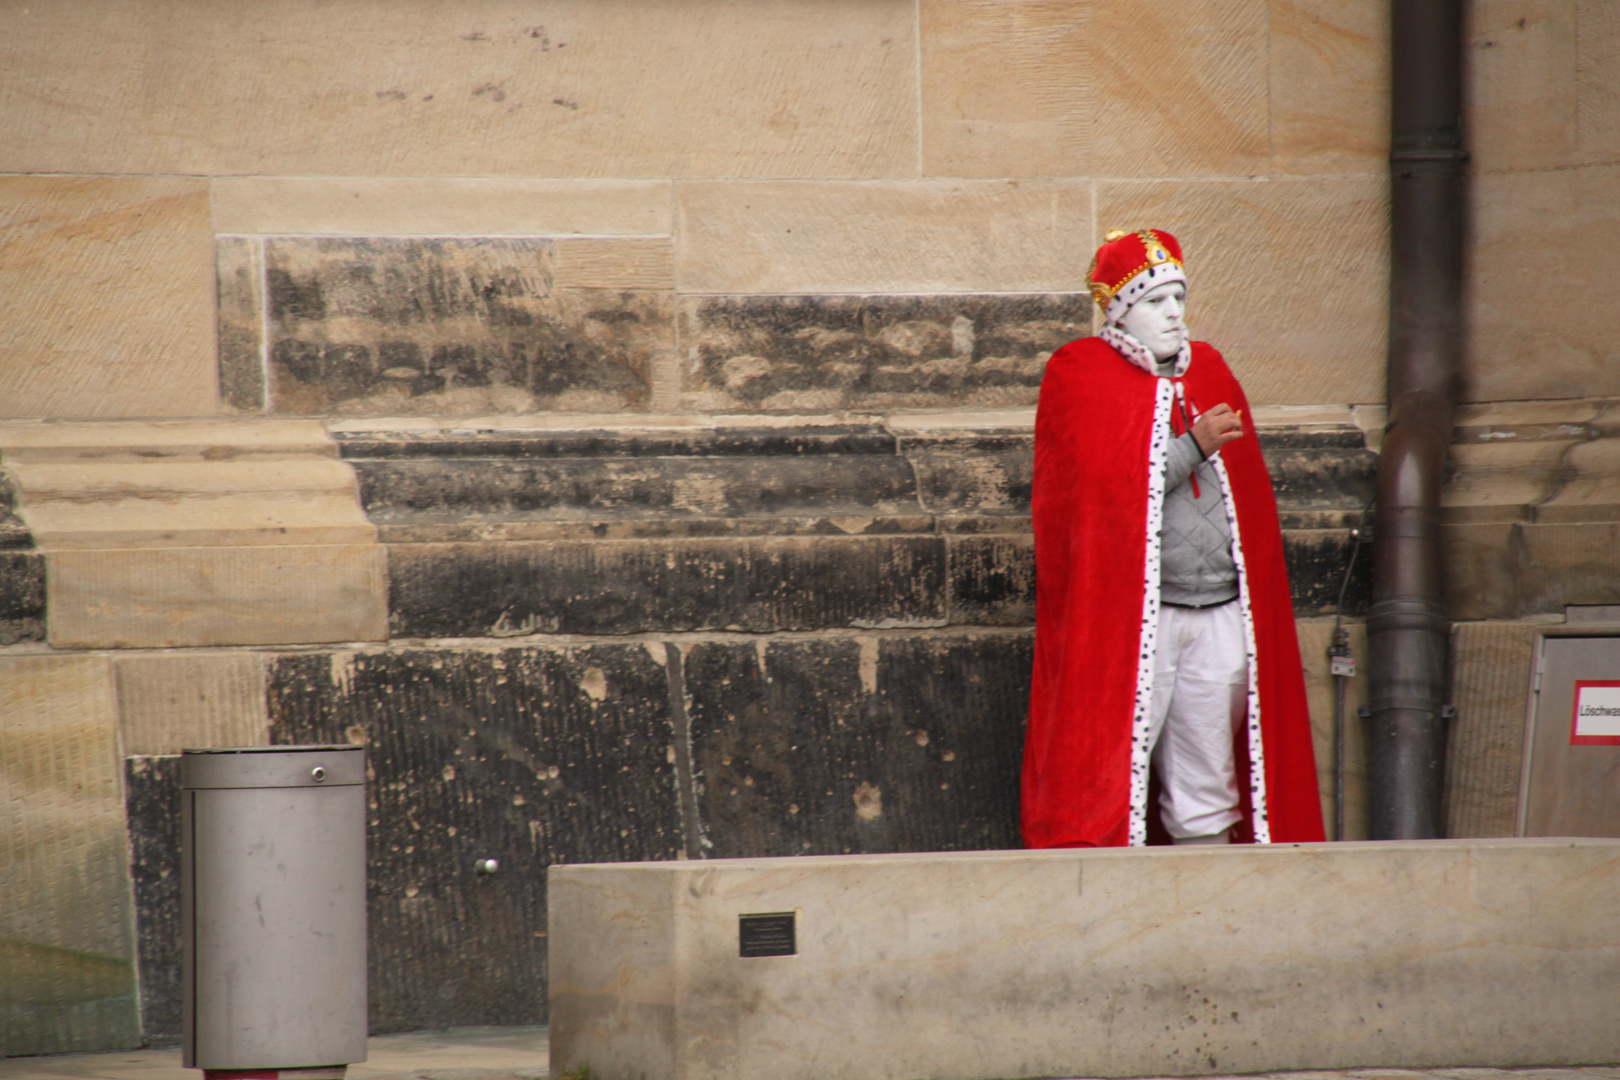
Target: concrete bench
(1101, 963)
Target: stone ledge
(1094, 963)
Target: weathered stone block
(401, 326)
(1528, 228)
(978, 472)
(105, 286)
(152, 803)
(168, 702)
(1485, 752)
(67, 945)
(376, 90)
(867, 744)
(992, 579)
(438, 206)
(1522, 71)
(976, 120)
(1328, 81)
(137, 441)
(170, 503)
(901, 236)
(755, 584)
(1315, 637)
(529, 756)
(1318, 560)
(603, 488)
(1078, 104)
(173, 597)
(22, 597)
(239, 287)
(1289, 277)
(825, 353)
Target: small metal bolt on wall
(273, 904)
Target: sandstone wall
(617, 416)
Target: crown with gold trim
(1129, 265)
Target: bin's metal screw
(487, 866)
(317, 774)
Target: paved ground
(503, 1053)
(523, 1053)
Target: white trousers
(1200, 702)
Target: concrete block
(752, 584)
(909, 742)
(1288, 277)
(534, 755)
(66, 928)
(438, 206)
(239, 270)
(1093, 963)
(1329, 86)
(1522, 77)
(168, 702)
(298, 88)
(1491, 690)
(1528, 228)
(105, 285)
(172, 597)
(828, 353)
(398, 326)
(894, 236)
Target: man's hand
(1217, 427)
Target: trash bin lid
(272, 766)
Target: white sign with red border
(1597, 714)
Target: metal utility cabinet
(273, 903)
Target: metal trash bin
(273, 905)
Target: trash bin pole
(274, 907)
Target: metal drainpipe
(1407, 630)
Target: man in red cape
(1165, 651)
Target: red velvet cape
(1085, 777)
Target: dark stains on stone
(1322, 477)
(529, 756)
(754, 584)
(977, 471)
(818, 353)
(591, 443)
(22, 597)
(575, 488)
(239, 280)
(832, 747)
(992, 579)
(378, 326)
(1317, 561)
(152, 805)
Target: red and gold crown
(1129, 264)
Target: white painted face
(1155, 320)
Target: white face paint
(1155, 320)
